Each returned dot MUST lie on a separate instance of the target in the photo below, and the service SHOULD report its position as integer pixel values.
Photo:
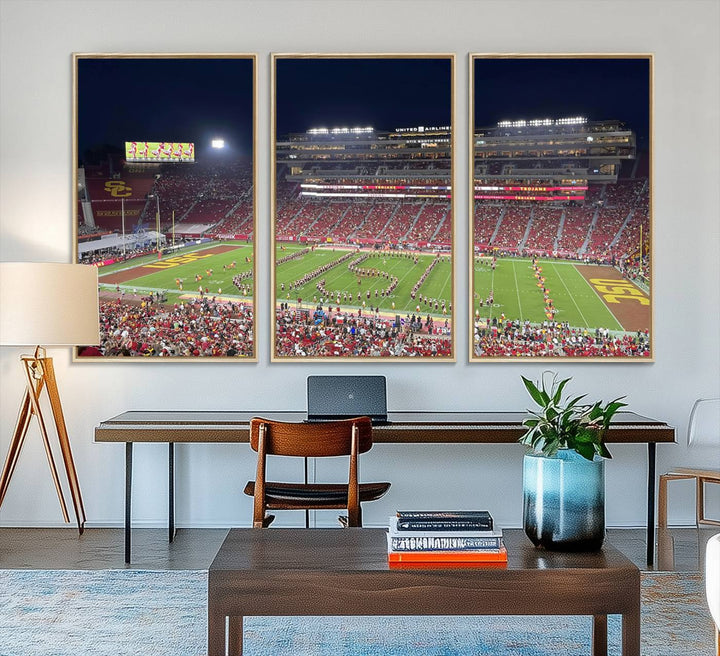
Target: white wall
(36, 41)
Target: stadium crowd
(302, 334)
(196, 328)
(607, 228)
(493, 338)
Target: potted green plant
(564, 467)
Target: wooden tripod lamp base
(40, 374)
(54, 304)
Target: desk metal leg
(128, 497)
(651, 505)
(171, 491)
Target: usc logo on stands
(118, 189)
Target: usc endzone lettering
(176, 261)
(617, 291)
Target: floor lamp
(46, 304)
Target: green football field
(148, 274)
(518, 296)
(338, 278)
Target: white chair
(712, 584)
(703, 431)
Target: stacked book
(439, 537)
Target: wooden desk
(204, 426)
(345, 572)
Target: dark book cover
(450, 525)
(443, 514)
(444, 520)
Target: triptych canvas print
(363, 214)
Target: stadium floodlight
(572, 120)
(218, 143)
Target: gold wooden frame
(275, 57)
(472, 58)
(254, 126)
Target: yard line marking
(441, 293)
(595, 294)
(448, 282)
(572, 298)
(517, 291)
(492, 290)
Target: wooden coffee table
(294, 572)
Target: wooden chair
(701, 477)
(349, 437)
(703, 429)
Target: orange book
(447, 565)
(449, 557)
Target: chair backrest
(704, 423)
(312, 439)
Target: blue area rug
(130, 612)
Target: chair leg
(662, 501)
(699, 501)
(703, 519)
(354, 516)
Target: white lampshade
(704, 423)
(48, 304)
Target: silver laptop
(342, 397)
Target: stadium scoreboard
(573, 190)
(159, 151)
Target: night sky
(536, 88)
(385, 93)
(157, 99)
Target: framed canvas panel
(362, 211)
(165, 203)
(561, 201)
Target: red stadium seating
(512, 229)
(428, 223)
(544, 229)
(485, 222)
(576, 228)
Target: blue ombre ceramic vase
(564, 501)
